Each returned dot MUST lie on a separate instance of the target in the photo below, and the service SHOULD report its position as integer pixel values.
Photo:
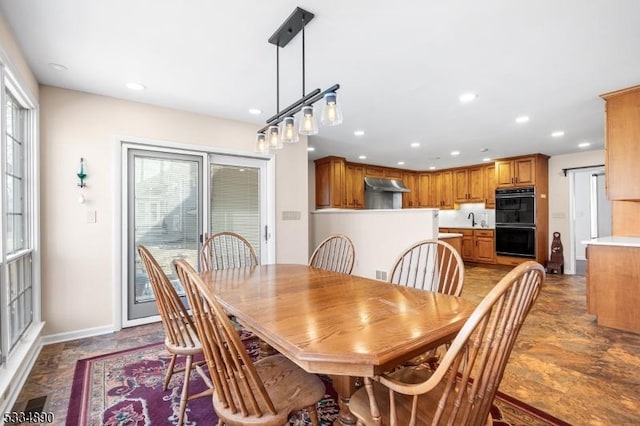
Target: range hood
(385, 185)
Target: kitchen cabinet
(442, 190)
(392, 174)
(490, 186)
(478, 245)
(622, 143)
(424, 189)
(516, 172)
(354, 188)
(330, 182)
(468, 185)
(373, 171)
(409, 199)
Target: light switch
(291, 215)
(91, 216)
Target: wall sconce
(82, 175)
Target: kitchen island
(379, 235)
(613, 281)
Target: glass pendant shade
(288, 131)
(273, 136)
(261, 143)
(308, 124)
(331, 112)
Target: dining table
(337, 324)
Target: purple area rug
(125, 388)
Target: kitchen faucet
(473, 219)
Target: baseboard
(77, 334)
(19, 365)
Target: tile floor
(563, 363)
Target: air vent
(381, 275)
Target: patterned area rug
(125, 388)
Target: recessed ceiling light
(468, 97)
(584, 144)
(362, 157)
(57, 67)
(486, 159)
(522, 119)
(415, 144)
(359, 133)
(400, 163)
(432, 167)
(310, 148)
(484, 149)
(557, 134)
(255, 111)
(454, 153)
(135, 86)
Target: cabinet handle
(512, 180)
(516, 179)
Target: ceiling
(401, 66)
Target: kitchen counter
(614, 241)
(445, 235)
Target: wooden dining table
(337, 324)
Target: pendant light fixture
(271, 136)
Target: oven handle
(509, 196)
(516, 225)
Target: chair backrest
(335, 253)
(237, 386)
(430, 265)
(176, 321)
(226, 250)
(470, 372)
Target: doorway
(591, 213)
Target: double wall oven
(516, 222)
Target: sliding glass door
(165, 215)
(172, 200)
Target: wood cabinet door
(468, 248)
(323, 185)
(504, 173)
(355, 186)
(525, 171)
(490, 187)
(373, 171)
(409, 199)
(461, 186)
(485, 251)
(622, 147)
(393, 174)
(476, 184)
(424, 189)
(338, 198)
(445, 189)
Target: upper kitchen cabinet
(392, 173)
(330, 182)
(468, 185)
(622, 143)
(410, 199)
(354, 188)
(424, 189)
(373, 171)
(521, 171)
(490, 186)
(442, 190)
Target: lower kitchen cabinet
(478, 245)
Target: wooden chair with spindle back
(226, 250)
(181, 335)
(264, 392)
(461, 389)
(335, 253)
(432, 265)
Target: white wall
(559, 201)
(78, 257)
(379, 236)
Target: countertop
(443, 235)
(614, 241)
(466, 227)
(364, 211)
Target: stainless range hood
(385, 185)
(383, 193)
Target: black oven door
(518, 210)
(516, 241)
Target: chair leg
(185, 389)
(167, 377)
(313, 415)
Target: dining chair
(461, 389)
(432, 265)
(264, 392)
(181, 336)
(335, 253)
(226, 250)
